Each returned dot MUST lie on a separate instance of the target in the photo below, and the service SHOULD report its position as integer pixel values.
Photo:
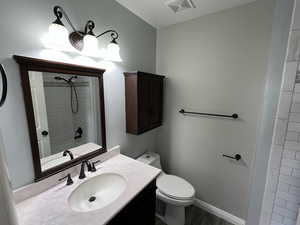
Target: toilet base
(175, 215)
(175, 209)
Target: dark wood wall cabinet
(144, 101)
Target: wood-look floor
(196, 216)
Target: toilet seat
(175, 188)
(173, 201)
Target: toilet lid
(175, 187)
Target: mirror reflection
(67, 116)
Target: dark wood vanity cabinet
(144, 101)
(140, 211)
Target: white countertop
(51, 207)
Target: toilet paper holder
(237, 157)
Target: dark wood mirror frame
(27, 64)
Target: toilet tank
(150, 158)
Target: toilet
(176, 192)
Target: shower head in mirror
(68, 81)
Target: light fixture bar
(60, 12)
(114, 34)
(85, 41)
(90, 25)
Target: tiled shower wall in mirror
(282, 192)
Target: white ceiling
(156, 13)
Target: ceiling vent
(180, 5)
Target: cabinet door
(156, 102)
(144, 101)
(131, 96)
(140, 211)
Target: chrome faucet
(89, 167)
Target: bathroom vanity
(66, 121)
(126, 195)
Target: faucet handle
(94, 165)
(89, 166)
(69, 179)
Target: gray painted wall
(280, 33)
(216, 63)
(7, 210)
(28, 21)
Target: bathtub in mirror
(65, 112)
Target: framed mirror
(65, 113)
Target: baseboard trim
(219, 212)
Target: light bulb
(58, 34)
(90, 44)
(113, 52)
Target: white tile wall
(296, 22)
(284, 105)
(282, 194)
(283, 187)
(292, 136)
(295, 107)
(280, 131)
(294, 117)
(62, 126)
(294, 127)
(289, 76)
(297, 88)
(285, 156)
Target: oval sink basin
(97, 192)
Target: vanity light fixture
(84, 41)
